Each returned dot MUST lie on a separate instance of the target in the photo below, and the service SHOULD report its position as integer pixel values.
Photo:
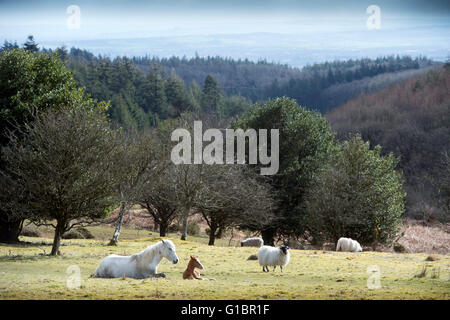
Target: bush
(78, 233)
(193, 228)
(173, 228)
(358, 194)
(30, 232)
(399, 248)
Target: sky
(265, 29)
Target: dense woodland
(143, 90)
(53, 111)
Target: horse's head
(168, 251)
(196, 262)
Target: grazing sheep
(252, 242)
(349, 245)
(273, 256)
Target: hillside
(144, 89)
(412, 120)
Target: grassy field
(26, 273)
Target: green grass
(25, 273)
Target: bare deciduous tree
(158, 196)
(231, 197)
(140, 160)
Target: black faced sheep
(273, 256)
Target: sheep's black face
(284, 249)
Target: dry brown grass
(419, 237)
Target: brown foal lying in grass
(190, 273)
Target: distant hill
(144, 89)
(412, 120)
(320, 86)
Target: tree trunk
(268, 235)
(212, 235)
(163, 229)
(57, 238)
(184, 227)
(115, 239)
(10, 230)
(219, 233)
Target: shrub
(358, 194)
(193, 228)
(30, 232)
(399, 248)
(78, 233)
(173, 228)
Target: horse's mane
(146, 256)
(148, 253)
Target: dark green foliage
(139, 100)
(305, 142)
(261, 80)
(211, 98)
(62, 168)
(308, 89)
(31, 83)
(31, 45)
(9, 46)
(358, 194)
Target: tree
(158, 196)
(31, 45)
(63, 165)
(177, 95)
(305, 141)
(231, 197)
(139, 162)
(442, 183)
(9, 46)
(31, 82)
(358, 194)
(211, 98)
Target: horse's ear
(162, 240)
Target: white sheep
(252, 242)
(349, 245)
(273, 256)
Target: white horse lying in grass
(140, 265)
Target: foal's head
(195, 262)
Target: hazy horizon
(292, 32)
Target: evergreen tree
(211, 95)
(30, 44)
